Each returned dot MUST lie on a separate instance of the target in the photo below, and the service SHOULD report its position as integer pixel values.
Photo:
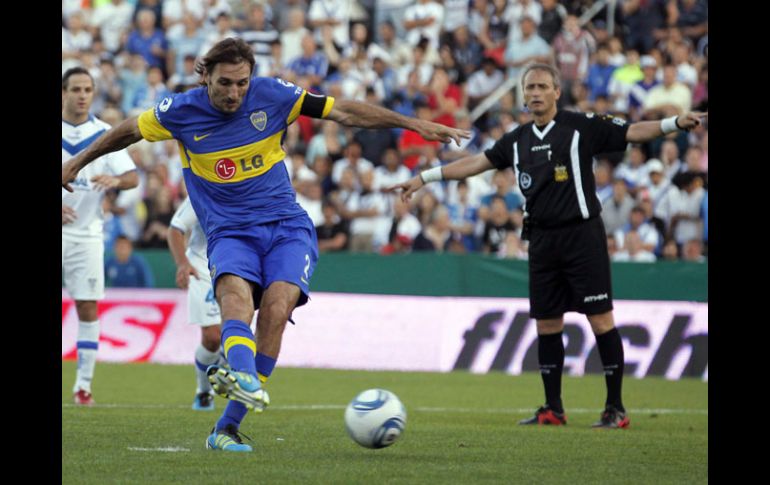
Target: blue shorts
(285, 250)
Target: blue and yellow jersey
(233, 164)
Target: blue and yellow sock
(265, 365)
(234, 413)
(239, 346)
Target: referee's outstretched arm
(457, 170)
(639, 132)
(643, 131)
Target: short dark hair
(230, 51)
(71, 72)
(538, 66)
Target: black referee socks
(550, 356)
(611, 351)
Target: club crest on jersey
(560, 173)
(259, 120)
(525, 180)
(165, 104)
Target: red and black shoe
(546, 415)
(83, 398)
(612, 417)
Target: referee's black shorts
(569, 270)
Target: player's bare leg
(277, 304)
(601, 323)
(211, 337)
(234, 295)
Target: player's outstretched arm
(457, 170)
(643, 131)
(355, 113)
(115, 139)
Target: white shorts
(82, 264)
(202, 306)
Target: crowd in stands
(434, 60)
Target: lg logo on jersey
(226, 168)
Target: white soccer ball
(375, 418)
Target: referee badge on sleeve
(560, 173)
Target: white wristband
(668, 125)
(432, 175)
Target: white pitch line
(333, 407)
(169, 449)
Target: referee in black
(569, 266)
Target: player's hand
(69, 170)
(438, 132)
(407, 188)
(68, 215)
(183, 273)
(105, 182)
(690, 120)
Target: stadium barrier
(409, 333)
(431, 274)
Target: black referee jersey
(554, 166)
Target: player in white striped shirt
(82, 248)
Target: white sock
(203, 359)
(222, 359)
(87, 345)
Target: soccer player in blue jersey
(262, 247)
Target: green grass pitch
(461, 428)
